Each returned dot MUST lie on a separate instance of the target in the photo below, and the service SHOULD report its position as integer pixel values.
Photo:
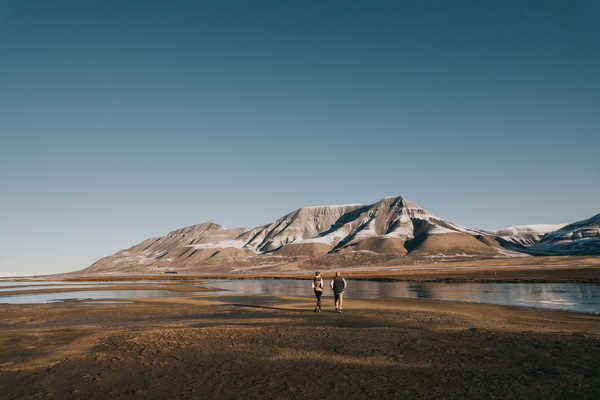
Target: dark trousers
(318, 294)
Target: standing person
(317, 285)
(338, 284)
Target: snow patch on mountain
(540, 229)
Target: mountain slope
(202, 243)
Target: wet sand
(236, 347)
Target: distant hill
(578, 238)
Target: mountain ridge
(393, 228)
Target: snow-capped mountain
(391, 227)
(351, 234)
(578, 238)
(336, 226)
(582, 237)
(525, 235)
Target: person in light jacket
(338, 284)
(317, 285)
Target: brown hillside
(449, 243)
(303, 250)
(489, 240)
(378, 245)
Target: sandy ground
(255, 347)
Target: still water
(580, 297)
(37, 298)
(11, 286)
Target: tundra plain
(261, 346)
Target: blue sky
(124, 120)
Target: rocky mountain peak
(196, 229)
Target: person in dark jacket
(338, 284)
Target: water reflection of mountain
(577, 297)
(570, 296)
(567, 296)
(377, 290)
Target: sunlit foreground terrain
(260, 346)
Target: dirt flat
(232, 347)
(559, 269)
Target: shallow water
(37, 285)
(51, 286)
(5, 282)
(580, 297)
(38, 298)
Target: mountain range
(392, 230)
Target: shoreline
(540, 269)
(554, 269)
(189, 290)
(551, 274)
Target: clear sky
(121, 120)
